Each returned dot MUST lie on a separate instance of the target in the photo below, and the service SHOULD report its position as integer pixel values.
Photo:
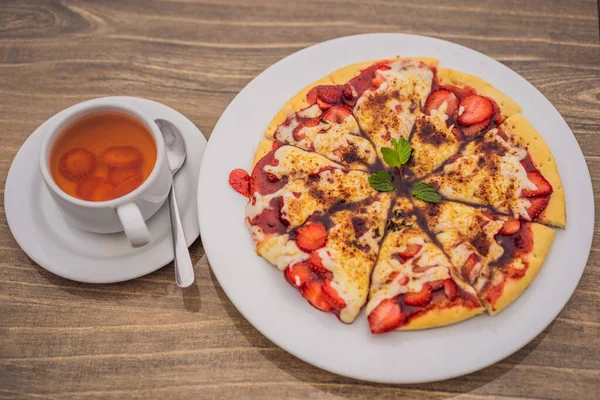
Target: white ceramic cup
(127, 213)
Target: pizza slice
(389, 95)
(459, 107)
(414, 285)
(510, 169)
(330, 257)
(498, 256)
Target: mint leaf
(381, 181)
(390, 157)
(423, 191)
(398, 155)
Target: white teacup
(127, 213)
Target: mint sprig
(398, 155)
(381, 181)
(423, 191)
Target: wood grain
(147, 338)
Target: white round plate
(38, 226)
(261, 294)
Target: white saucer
(67, 251)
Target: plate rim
(208, 244)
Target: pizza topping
(420, 298)
(510, 227)
(240, 181)
(543, 186)
(470, 267)
(409, 252)
(381, 181)
(336, 114)
(398, 155)
(332, 296)
(476, 110)
(425, 192)
(437, 98)
(476, 128)
(311, 237)
(313, 292)
(537, 205)
(298, 134)
(386, 317)
(76, 163)
(450, 289)
(316, 263)
(299, 274)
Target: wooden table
(149, 339)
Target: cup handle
(133, 224)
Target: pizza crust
(343, 75)
(542, 240)
(264, 147)
(507, 106)
(555, 212)
(442, 317)
(296, 103)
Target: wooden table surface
(149, 339)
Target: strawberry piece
(420, 298)
(240, 182)
(435, 285)
(538, 205)
(298, 134)
(92, 188)
(423, 269)
(323, 105)
(316, 263)
(386, 317)
(510, 227)
(497, 118)
(544, 187)
(469, 265)
(348, 95)
(299, 274)
(122, 156)
(378, 80)
(450, 289)
(76, 163)
(128, 185)
(409, 252)
(437, 98)
(313, 292)
(311, 96)
(336, 114)
(403, 279)
(311, 237)
(117, 176)
(330, 94)
(332, 296)
(476, 110)
(383, 67)
(475, 129)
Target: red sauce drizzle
(270, 220)
(264, 182)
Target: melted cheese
(433, 143)
(296, 163)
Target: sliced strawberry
(469, 265)
(311, 237)
(240, 181)
(299, 274)
(460, 92)
(122, 156)
(386, 317)
(438, 97)
(329, 94)
(409, 252)
(423, 269)
(420, 298)
(298, 134)
(538, 205)
(527, 163)
(544, 187)
(378, 80)
(332, 296)
(476, 128)
(336, 114)
(348, 95)
(502, 133)
(402, 280)
(497, 118)
(323, 105)
(76, 163)
(510, 227)
(311, 96)
(313, 292)
(450, 289)
(316, 264)
(435, 285)
(476, 110)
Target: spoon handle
(184, 270)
